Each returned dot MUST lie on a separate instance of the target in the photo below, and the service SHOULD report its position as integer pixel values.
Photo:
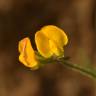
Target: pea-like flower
(50, 41)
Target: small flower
(50, 41)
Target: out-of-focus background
(22, 18)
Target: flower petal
(56, 34)
(58, 51)
(27, 54)
(42, 43)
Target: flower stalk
(87, 71)
(90, 72)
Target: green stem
(86, 71)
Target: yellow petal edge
(56, 34)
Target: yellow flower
(50, 41)
(27, 54)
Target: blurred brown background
(21, 18)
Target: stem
(86, 71)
